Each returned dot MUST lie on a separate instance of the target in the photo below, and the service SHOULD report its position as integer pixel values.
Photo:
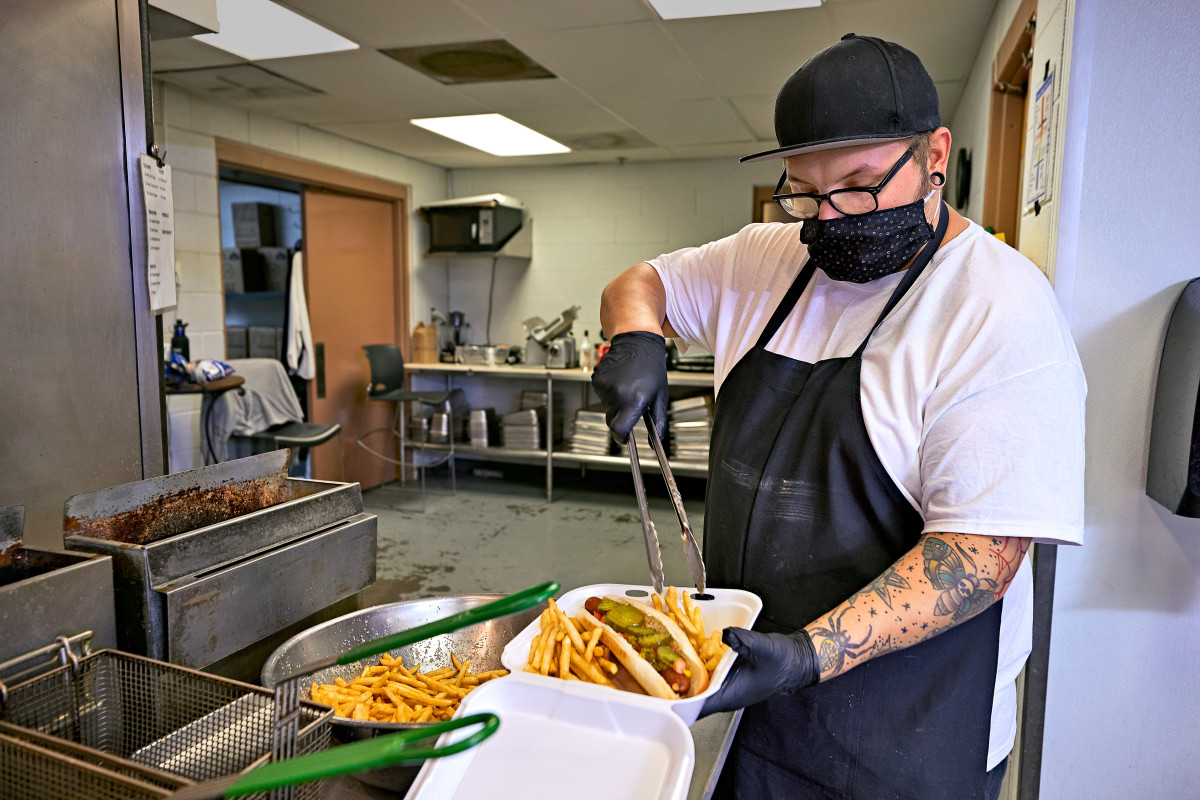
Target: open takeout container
(727, 607)
(547, 731)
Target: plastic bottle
(585, 352)
(601, 348)
(179, 341)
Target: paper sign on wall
(160, 233)
(1041, 139)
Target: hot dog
(648, 644)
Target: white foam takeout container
(541, 748)
(728, 607)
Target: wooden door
(351, 279)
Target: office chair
(387, 386)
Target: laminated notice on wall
(160, 233)
(1041, 144)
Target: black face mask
(870, 246)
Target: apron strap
(787, 303)
(914, 272)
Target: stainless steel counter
(712, 736)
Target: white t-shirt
(972, 391)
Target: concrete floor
(501, 535)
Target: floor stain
(502, 537)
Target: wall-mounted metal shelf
(562, 457)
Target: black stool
(299, 434)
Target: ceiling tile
(570, 122)
(759, 113)
(506, 97)
(398, 136)
(186, 53)
(945, 34)
(730, 150)
(693, 87)
(752, 54)
(619, 61)
(395, 23)
(374, 87)
(525, 16)
(687, 122)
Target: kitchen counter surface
(575, 374)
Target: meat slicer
(549, 343)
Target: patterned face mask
(870, 246)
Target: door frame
(1006, 127)
(323, 176)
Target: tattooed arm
(946, 579)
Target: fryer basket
(30, 772)
(182, 721)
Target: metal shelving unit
(561, 457)
(698, 469)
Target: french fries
(390, 692)
(560, 649)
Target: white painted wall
(187, 127)
(1123, 711)
(590, 222)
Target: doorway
(355, 267)
(1006, 129)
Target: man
(899, 415)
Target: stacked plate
(591, 436)
(521, 430)
(690, 423)
(641, 435)
(483, 427)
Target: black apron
(801, 512)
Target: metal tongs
(653, 549)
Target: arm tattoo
(953, 571)
(879, 586)
(951, 577)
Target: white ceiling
(689, 88)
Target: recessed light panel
(492, 133)
(685, 9)
(259, 29)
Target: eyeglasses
(851, 202)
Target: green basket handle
(382, 751)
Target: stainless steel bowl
(480, 644)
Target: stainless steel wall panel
(71, 419)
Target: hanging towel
(301, 360)
(265, 400)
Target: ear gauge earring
(937, 179)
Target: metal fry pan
(480, 644)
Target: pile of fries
(560, 648)
(391, 693)
(691, 621)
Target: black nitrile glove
(631, 378)
(767, 664)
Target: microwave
(479, 224)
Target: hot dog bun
(645, 674)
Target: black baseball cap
(861, 90)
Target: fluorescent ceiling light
(260, 29)
(684, 9)
(492, 133)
